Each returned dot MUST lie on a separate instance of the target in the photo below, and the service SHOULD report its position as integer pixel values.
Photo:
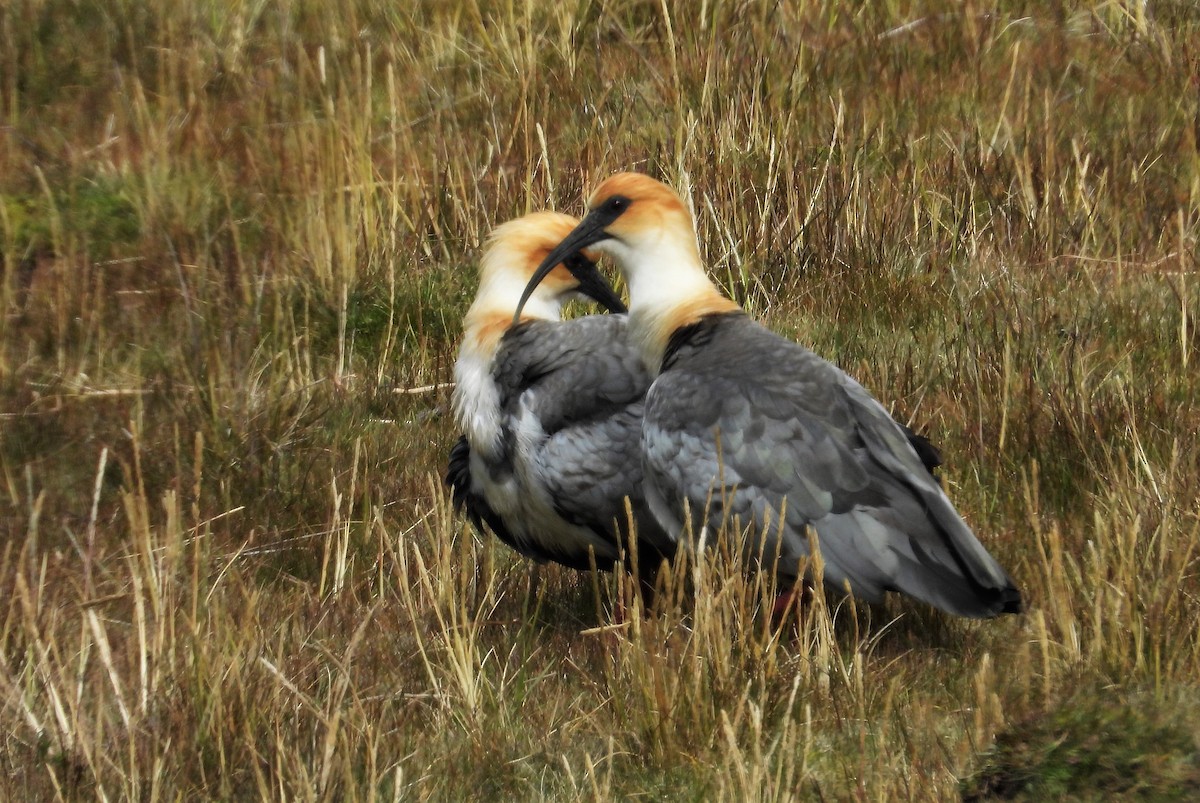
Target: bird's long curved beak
(591, 284)
(589, 232)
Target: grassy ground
(237, 235)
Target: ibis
(551, 410)
(742, 424)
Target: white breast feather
(477, 402)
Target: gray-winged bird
(740, 419)
(551, 409)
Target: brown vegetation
(234, 233)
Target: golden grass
(234, 234)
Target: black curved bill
(593, 284)
(589, 232)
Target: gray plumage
(570, 398)
(753, 418)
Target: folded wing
(741, 420)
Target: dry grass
(232, 231)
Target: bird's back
(570, 395)
(762, 419)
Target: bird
(551, 412)
(743, 422)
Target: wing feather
(570, 398)
(758, 412)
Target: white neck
(666, 281)
(663, 279)
(500, 293)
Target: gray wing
(593, 467)
(570, 371)
(759, 419)
(585, 387)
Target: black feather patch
(458, 478)
(458, 473)
(696, 334)
(931, 456)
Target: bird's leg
(648, 582)
(533, 592)
(798, 597)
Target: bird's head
(632, 218)
(510, 256)
(515, 249)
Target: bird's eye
(618, 204)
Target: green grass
(234, 235)
(1097, 742)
